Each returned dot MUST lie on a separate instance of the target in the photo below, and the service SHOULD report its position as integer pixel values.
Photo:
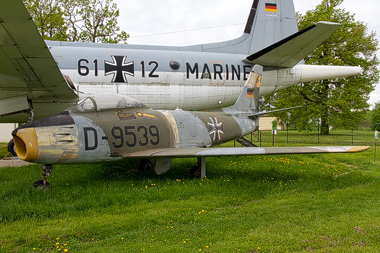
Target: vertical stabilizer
(248, 101)
(274, 20)
(269, 21)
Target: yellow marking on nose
(26, 144)
(145, 115)
(149, 115)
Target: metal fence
(361, 136)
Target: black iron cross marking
(119, 69)
(215, 128)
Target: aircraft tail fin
(247, 105)
(248, 101)
(268, 23)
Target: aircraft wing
(28, 70)
(291, 50)
(208, 152)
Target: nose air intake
(26, 144)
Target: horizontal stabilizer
(291, 50)
(206, 152)
(273, 111)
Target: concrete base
(13, 162)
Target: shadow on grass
(245, 174)
(126, 170)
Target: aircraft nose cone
(25, 140)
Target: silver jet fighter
(113, 127)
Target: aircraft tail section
(247, 105)
(248, 101)
(269, 21)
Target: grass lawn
(297, 203)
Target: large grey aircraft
(108, 127)
(41, 78)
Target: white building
(6, 130)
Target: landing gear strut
(43, 184)
(199, 171)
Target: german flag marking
(271, 7)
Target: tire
(195, 172)
(144, 165)
(11, 148)
(39, 184)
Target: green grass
(298, 203)
(3, 149)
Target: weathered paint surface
(115, 133)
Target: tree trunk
(325, 109)
(325, 127)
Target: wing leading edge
(291, 50)
(28, 70)
(208, 152)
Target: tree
(77, 20)
(72, 18)
(48, 17)
(339, 102)
(375, 117)
(100, 22)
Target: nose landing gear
(43, 184)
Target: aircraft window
(86, 106)
(115, 101)
(174, 64)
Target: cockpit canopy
(102, 102)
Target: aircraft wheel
(39, 184)
(11, 148)
(195, 172)
(144, 165)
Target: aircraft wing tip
(328, 23)
(359, 149)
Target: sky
(187, 22)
